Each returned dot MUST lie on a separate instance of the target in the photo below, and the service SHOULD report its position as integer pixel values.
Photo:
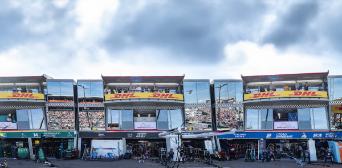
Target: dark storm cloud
(292, 26)
(191, 31)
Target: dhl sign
(336, 108)
(16, 95)
(286, 94)
(138, 95)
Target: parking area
(149, 164)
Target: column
(312, 150)
(79, 146)
(173, 142)
(30, 148)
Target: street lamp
(85, 108)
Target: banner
(144, 95)
(29, 134)
(286, 94)
(336, 108)
(145, 125)
(7, 125)
(285, 125)
(17, 95)
(281, 135)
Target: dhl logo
(305, 93)
(163, 96)
(23, 95)
(264, 95)
(123, 96)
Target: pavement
(149, 164)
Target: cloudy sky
(201, 39)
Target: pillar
(32, 157)
(312, 150)
(79, 146)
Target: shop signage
(18, 134)
(128, 135)
(286, 94)
(17, 95)
(281, 135)
(285, 125)
(7, 125)
(145, 125)
(144, 95)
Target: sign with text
(17, 95)
(145, 125)
(144, 95)
(286, 94)
(285, 125)
(7, 125)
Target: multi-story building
(23, 119)
(137, 109)
(335, 95)
(285, 111)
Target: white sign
(8, 125)
(286, 125)
(145, 125)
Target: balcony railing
(286, 94)
(144, 96)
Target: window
(176, 118)
(113, 119)
(285, 115)
(319, 118)
(30, 119)
(304, 119)
(162, 119)
(252, 119)
(60, 88)
(266, 118)
(127, 119)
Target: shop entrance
(55, 148)
(293, 147)
(149, 148)
(237, 148)
(10, 147)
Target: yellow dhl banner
(336, 108)
(286, 94)
(144, 95)
(16, 95)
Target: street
(149, 164)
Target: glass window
(335, 88)
(53, 88)
(97, 89)
(252, 119)
(304, 119)
(90, 89)
(67, 89)
(37, 119)
(190, 92)
(60, 88)
(127, 119)
(176, 118)
(113, 119)
(162, 120)
(266, 118)
(320, 118)
(203, 92)
(83, 89)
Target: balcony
(293, 94)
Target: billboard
(17, 95)
(286, 94)
(144, 95)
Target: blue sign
(281, 135)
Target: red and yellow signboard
(336, 108)
(286, 94)
(16, 95)
(145, 95)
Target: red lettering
(22, 95)
(264, 95)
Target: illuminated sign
(286, 94)
(145, 95)
(17, 95)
